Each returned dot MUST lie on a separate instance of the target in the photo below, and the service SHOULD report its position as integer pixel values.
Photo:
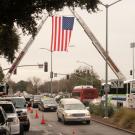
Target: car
(47, 104)
(21, 109)
(12, 117)
(35, 101)
(4, 126)
(70, 109)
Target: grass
(124, 118)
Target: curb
(125, 130)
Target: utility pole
(106, 67)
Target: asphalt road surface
(53, 127)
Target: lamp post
(88, 66)
(51, 73)
(106, 67)
(132, 45)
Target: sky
(121, 33)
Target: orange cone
(36, 115)
(43, 120)
(28, 109)
(73, 132)
(31, 110)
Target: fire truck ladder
(23, 52)
(98, 46)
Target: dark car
(4, 126)
(47, 104)
(21, 109)
(35, 101)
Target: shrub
(99, 109)
(125, 118)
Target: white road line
(60, 134)
(49, 125)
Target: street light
(51, 73)
(132, 45)
(106, 69)
(88, 66)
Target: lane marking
(49, 125)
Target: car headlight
(87, 114)
(67, 114)
(15, 121)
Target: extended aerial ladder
(23, 52)
(98, 46)
(4, 85)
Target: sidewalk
(107, 122)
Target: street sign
(117, 84)
(106, 87)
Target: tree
(36, 83)
(21, 86)
(82, 77)
(24, 13)
(9, 41)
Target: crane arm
(23, 52)
(98, 46)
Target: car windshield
(8, 108)
(49, 101)
(19, 102)
(74, 107)
(37, 97)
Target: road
(53, 127)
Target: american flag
(61, 32)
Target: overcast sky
(121, 34)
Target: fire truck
(95, 42)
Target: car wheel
(64, 121)
(58, 118)
(21, 129)
(27, 127)
(88, 122)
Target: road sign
(117, 84)
(106, 87)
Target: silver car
(12, 116)
(71, 109)
(4, 126)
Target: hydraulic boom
(98, 46)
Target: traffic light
(131, 72)
(45, 67)
(67, 77)
(55, 74)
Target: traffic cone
(28, 109)
(31, 110)
(36, 115)
(73, 132)
(43, 120)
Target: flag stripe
(59, 33)
(52, 33)
(55, 39)
(62, 41)
(66, 36)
